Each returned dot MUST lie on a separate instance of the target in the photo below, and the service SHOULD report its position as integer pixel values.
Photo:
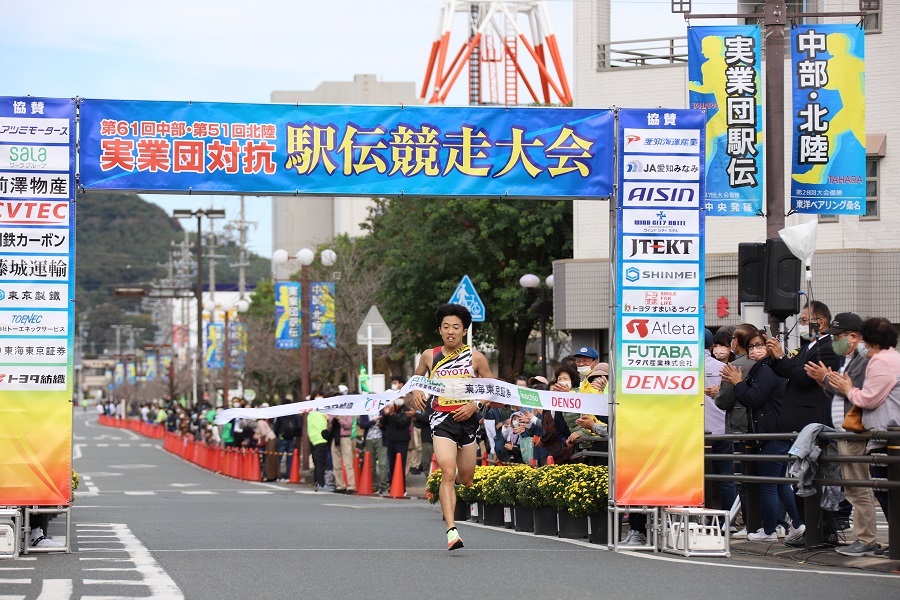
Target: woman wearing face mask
(721, 346)
(554, 424)
(762, 392)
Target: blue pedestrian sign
(466, 295)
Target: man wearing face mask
(586, 359)
(805, 401)
(847, 343)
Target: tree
(427, 245)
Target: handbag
(853, 420)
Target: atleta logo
(660, 246)
(529, 398)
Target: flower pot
(462, 511)
(599, 524)
(509, 519)
(524, 518)
(493, 515)
(572, 527)
(545, 521)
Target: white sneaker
(38, 540)
(762, 536)
(638, 539)
(779, 531)
(740, 534)
(795, 533)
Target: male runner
(453, 422)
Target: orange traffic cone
(255, 474)
(533, 461)
(484, 460)
(550, 460)
(364, 480)
(294, 477)
(398, 483)
(434, 465)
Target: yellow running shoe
(453, 539)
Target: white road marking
(112, 582)
(103, 445)
(199, 493)
(16, 569)
(124, 445)
(140, 493)
(110, 569)
(14, 581)
(104, 559)
(182, 485)
(76, 451)
(12, 597)
(91, 488)
(56, 589)
(257, 492)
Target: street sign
(466, 295)
(380, 333)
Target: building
(857, 262)
(307, 221)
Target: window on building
(872, 21)
(873, 187)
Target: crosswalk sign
(466, 295)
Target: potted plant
(528, 498)
(507, 484)
(558, 485)
(489, 492)
(588, 497)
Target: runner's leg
(445, 452)
(465, 463)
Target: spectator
(714, 419)
(342, 455)
(374, 445)
(397, 419)
(879, 399)
(555, 429)
(422, 422)
(762, 392)
(316, 424)
(286, 429)
(586, 360)
(721, 346)
(268, 441)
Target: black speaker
(782, 280)
(751, 272)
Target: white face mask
(806, 332)
(584, 371)
(862, 350)
(721, 353)
(395, 386)
(757, 354)
(398, 402)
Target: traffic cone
(398, 483)
(484, 460)
(434, 465)
(364, 482)
(550, 460)
(533, 462)
(255, 474)
(295, 468)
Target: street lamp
(226, 307)
(543, 309)
(305, 257)
(209, 213)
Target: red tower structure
(496, 29)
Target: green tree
(427, 245)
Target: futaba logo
(529, 398)
(658, 351)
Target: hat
(845, 322)
(343, 389)
(601, 370)
(707, 338)
(588, 352)
(264, 405)
(537, 379)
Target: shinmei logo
(639, 326)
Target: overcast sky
(240, 51)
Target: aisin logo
(634, 166)
(632, 138)
(639, 326)
(632, 274)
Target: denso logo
(574, 403)
(657, 383)
(20, 212)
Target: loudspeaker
(751, 272)
(782, 280)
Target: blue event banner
(346, 150)
(287, 314)
(215, 345)
(828, 170)
(322, 333)
(724, 80)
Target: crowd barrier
(146, 429)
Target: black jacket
(805, 401)
(396, 426)
(762, 392)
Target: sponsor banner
(34, 130)
(661, 354)
(828, 171)
(20, 157)
(661, 275)
(662, 168)
(31, 350)
(33, 212)
(658, 374)
(287, 314)
(25, 378)
(25, 184)
(663, 221)
(649, 328)
(237, 344)
(344, 150)
(215, 345)
(725, 81)
(322, 333)
(661, 249)
(488, 390)
(34, 268)
(119, 374)
(655, 141)
(668, 302)
(657, 382)
(35, 240)
(34, 295)
(660, 195)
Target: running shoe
(453, 539)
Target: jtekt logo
(668, 246)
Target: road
(148, 525)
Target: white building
(857, 263)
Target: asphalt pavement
(149, 525)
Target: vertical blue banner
(237, 344)
(724, 76)
(287, 314)
(321, 314)
(215, 345)
(828, 170)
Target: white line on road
(12, 581)
(76, 451)
(110, 569)
(16, 569)
(104, 559)
(112, 582)
(199, 493)
(257, 492)
(12, 597)
(140, 493)
(56, 589)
